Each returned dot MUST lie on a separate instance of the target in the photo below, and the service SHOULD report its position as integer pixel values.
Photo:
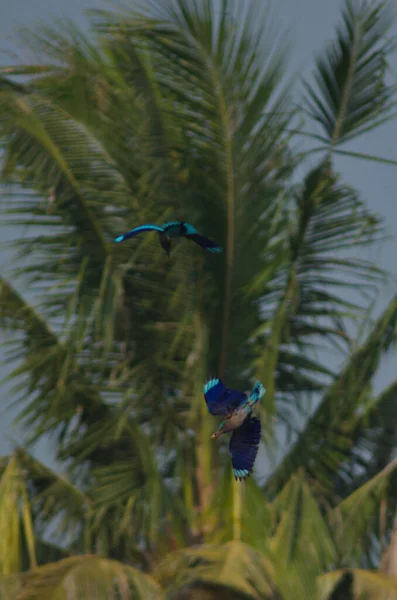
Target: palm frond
(234, 568)
(350, 95)
(373, 442)
(299, 518)
(358, 511)
(358, 583)
(312, 285)
(44, 361)
(86, 577)
(325, 440)
(16, 524)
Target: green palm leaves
(179, 110)
(350, 94)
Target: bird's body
(173, 229)
(235, 420)
(236, 407)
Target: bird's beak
(214, 435)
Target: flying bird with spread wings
(173, 229)
(236, 408)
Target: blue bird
(170, 230)
(236, 407)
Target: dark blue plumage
(204, 242)
(243, 447)
(171, 230)
(134, 232)
(221, 400)
(236, 407)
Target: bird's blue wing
(243, 447)
(221, 400)
(204, 242)
(214, 394)
(137, 230)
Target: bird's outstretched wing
(204, 242)
(243, 447)
(137, 230)
(221, 400)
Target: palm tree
(180, 110)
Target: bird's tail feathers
(257, 393)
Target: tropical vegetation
(181, 109)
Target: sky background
(310, 23)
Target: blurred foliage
(180, 109)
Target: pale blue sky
(311, 23)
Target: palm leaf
(325, 441)
(357, 512)
(44, 354)
(298, 518)
(232, 568)
(375, 434)
(362, 584)
(16, 519)
(86, 577)
(351, 95)
(312, 287)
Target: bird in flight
(170, 230)
(236, 407)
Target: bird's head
(165, 242)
